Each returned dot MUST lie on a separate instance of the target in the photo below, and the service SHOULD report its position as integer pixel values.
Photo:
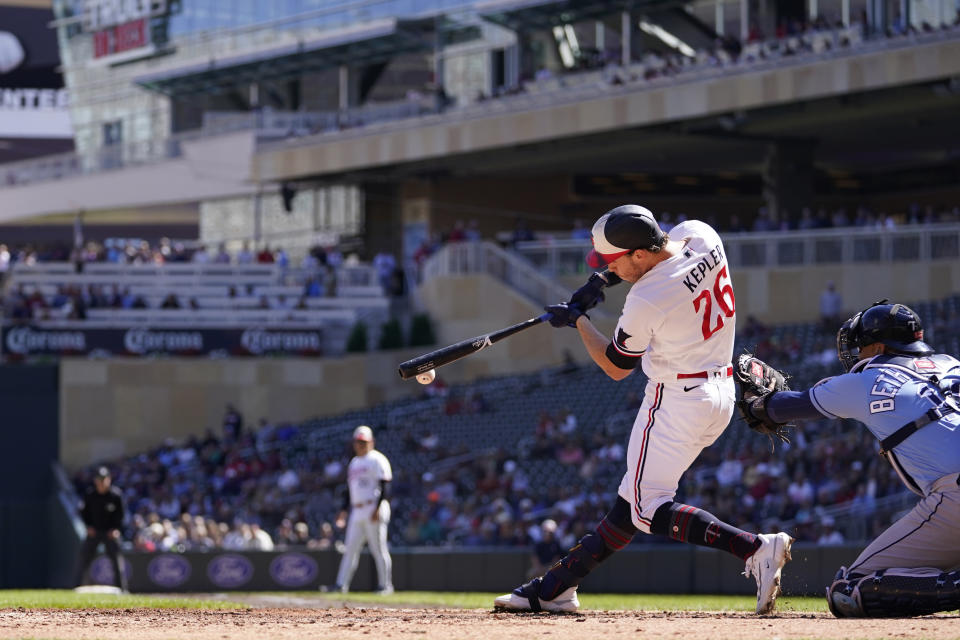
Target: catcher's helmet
(896, 326)
(620, 231)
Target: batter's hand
(341, 520)
(564, 314)
(375, 515)
(591, 294)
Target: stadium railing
(512, 269)
(842, 245)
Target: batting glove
(564, 314)
(591, 294)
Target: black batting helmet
(896, 326)
(620, 231)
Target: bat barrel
(415, 366)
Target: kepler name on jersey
(709, 262)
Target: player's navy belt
(363, 504)
(722, 372)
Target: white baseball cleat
(765, 565)
(526, 598)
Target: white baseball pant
(362, 530)
(672, 427)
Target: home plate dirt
(451, 624)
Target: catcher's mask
(896, 326)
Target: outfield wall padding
(667, 568)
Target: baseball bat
(462, 349)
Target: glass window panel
(753, 254)
(866, 249)
(790, 252)
(906, 248)
(828, 250)
(944, 246)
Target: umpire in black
(102, 511)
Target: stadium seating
(474, 448)
(204, 295)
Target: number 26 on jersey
(722, 294)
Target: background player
(906, 395)
(368, 478)
(678, 321)
(102, 511)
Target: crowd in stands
(317, 276)
(267, 486)
(790, 38)
(137, 251)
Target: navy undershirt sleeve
(787, 406)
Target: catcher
(907, 396)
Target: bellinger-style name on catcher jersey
(885, 393)
(364, 474)
(681, 315)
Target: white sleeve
(386, 473)
(636, 327)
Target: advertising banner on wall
(33, 101)
(27, 340)
(124, 31)
(288, 570)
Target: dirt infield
(449, 624)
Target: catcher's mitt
(757, 382)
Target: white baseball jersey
(679, 319)
(681, 315)
(364, 475)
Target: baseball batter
(907, 396)
(678, 324)
(368, 478)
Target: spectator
(260, 540)
(831, 306)
(580, 230)
(763, 223)
(222, 256)
(232, 423)
(200, 256)
(265, 256)
(245, 256)
(828, 533)
(521, 232)
(472, 232)
(546, 550)
(385, 264)
(458, 233)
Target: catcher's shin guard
(894, 593)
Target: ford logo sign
(169, 570)
(101, 570)
(293, 569)
(230, 570)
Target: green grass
(588, 601)
(67, 599)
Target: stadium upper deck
(383, 101)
